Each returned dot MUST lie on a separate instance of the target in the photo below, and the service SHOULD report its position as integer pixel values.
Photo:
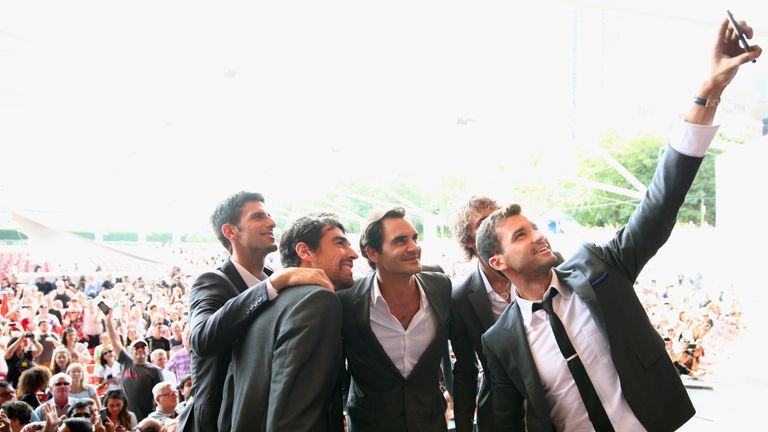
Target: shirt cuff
(693, 139)
(271, 291)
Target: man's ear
(302, 250)
(229, 231)
(372, 253)
(497, 263)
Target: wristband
(706, 103)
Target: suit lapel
(581, 286)
(441, 315)
(521, 351)
(480, 301)
(230, 271)
(362, 317)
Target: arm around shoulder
(219, 314)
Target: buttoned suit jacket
(221, 308)
(380, 398)
(472, 316)
(285, 370)
(603, 277)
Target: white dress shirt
(403, 346)
(567, 408)
(251, 280)
(498, 304)
(568, 411)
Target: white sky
(144, 114)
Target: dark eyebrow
(340, 238)
(518, 231)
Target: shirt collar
(248, 277)
(376, 296)
(526, 306)
(489, 289)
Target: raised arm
(114, 339)
(727, 57)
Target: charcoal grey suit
(603, 276)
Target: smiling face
(400, 251)
(62, 360)
(334, 256)
(254, 234)
(525, 250)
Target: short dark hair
(487, 240)
(307, 229)
(460, 227)
(79, 404)
(79, 424)
(18, 410)
(228, 212)
(374, 229)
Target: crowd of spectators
(697, 321)
(58, 356)
(59, 361)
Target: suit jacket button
(259, 301)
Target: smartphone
(104, 308)
(739, 33)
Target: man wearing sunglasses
(60, 402)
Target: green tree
(639, 155)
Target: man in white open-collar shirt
(632, 385)
(394, 331)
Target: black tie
(595, 409)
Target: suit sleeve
(508, 403)
(305, 364)
(651, 223)
(218, 318)
(465, 371)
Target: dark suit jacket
(221, 308)
(380, 398)
(285, 367)
(472, 316)
(603, 276)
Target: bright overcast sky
(146, 113)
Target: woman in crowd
(32, 381)
(108, 376)
(131, 334)
(60, 360)
(19, 352)
(80, 388)
(78, 351)
(116, 409)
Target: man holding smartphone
(575, 349)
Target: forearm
(114, 339)
(217, 320)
